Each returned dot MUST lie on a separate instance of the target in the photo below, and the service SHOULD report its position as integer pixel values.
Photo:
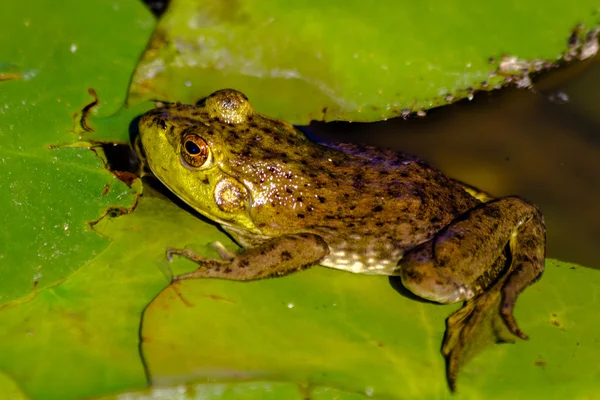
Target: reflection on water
(524, 142)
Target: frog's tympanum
(292, 203)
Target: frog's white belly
(371, 262)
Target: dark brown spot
(299, 198)
(413, 275)
(492, 212)
(205, 181)
(358, 181)
(233, 133)
(300, 215)
(286, 256)
(321, 199)
(377, 208)
(244, 264)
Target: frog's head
(182, 145)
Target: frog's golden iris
(292, 203)
(194, 151)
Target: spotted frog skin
(292, 203)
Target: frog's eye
(194, 151)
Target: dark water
(542, 144)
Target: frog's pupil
(192, 148)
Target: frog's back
(350, 195)
(382, 204)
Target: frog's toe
(479, 323)
(169, 253)
(506, 311)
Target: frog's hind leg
(485, 257)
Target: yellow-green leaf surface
(86, 309)
(323, 327)
(9, 389)
(240, 391)
(352, 60)
(49, 194)
(50, 55)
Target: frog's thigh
(278, 256)
(459, 262)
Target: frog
(292, 203)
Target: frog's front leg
(486, 257)
(276, 257)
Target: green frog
(292, 203)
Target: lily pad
(325, 327)
(80, 338)
(356, 61)
(10, 389)
(51, 193)
(74, 287)
(241, 391)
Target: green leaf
(51, 194)
(72, 300)
(241, 391)
(9, 389)
(325, 327)
(88, 326)
(354, 60)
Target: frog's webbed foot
(205, 264)
(485, 257)
(276, 257)
(477, 324)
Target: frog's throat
(228, 225)
(244, 237)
